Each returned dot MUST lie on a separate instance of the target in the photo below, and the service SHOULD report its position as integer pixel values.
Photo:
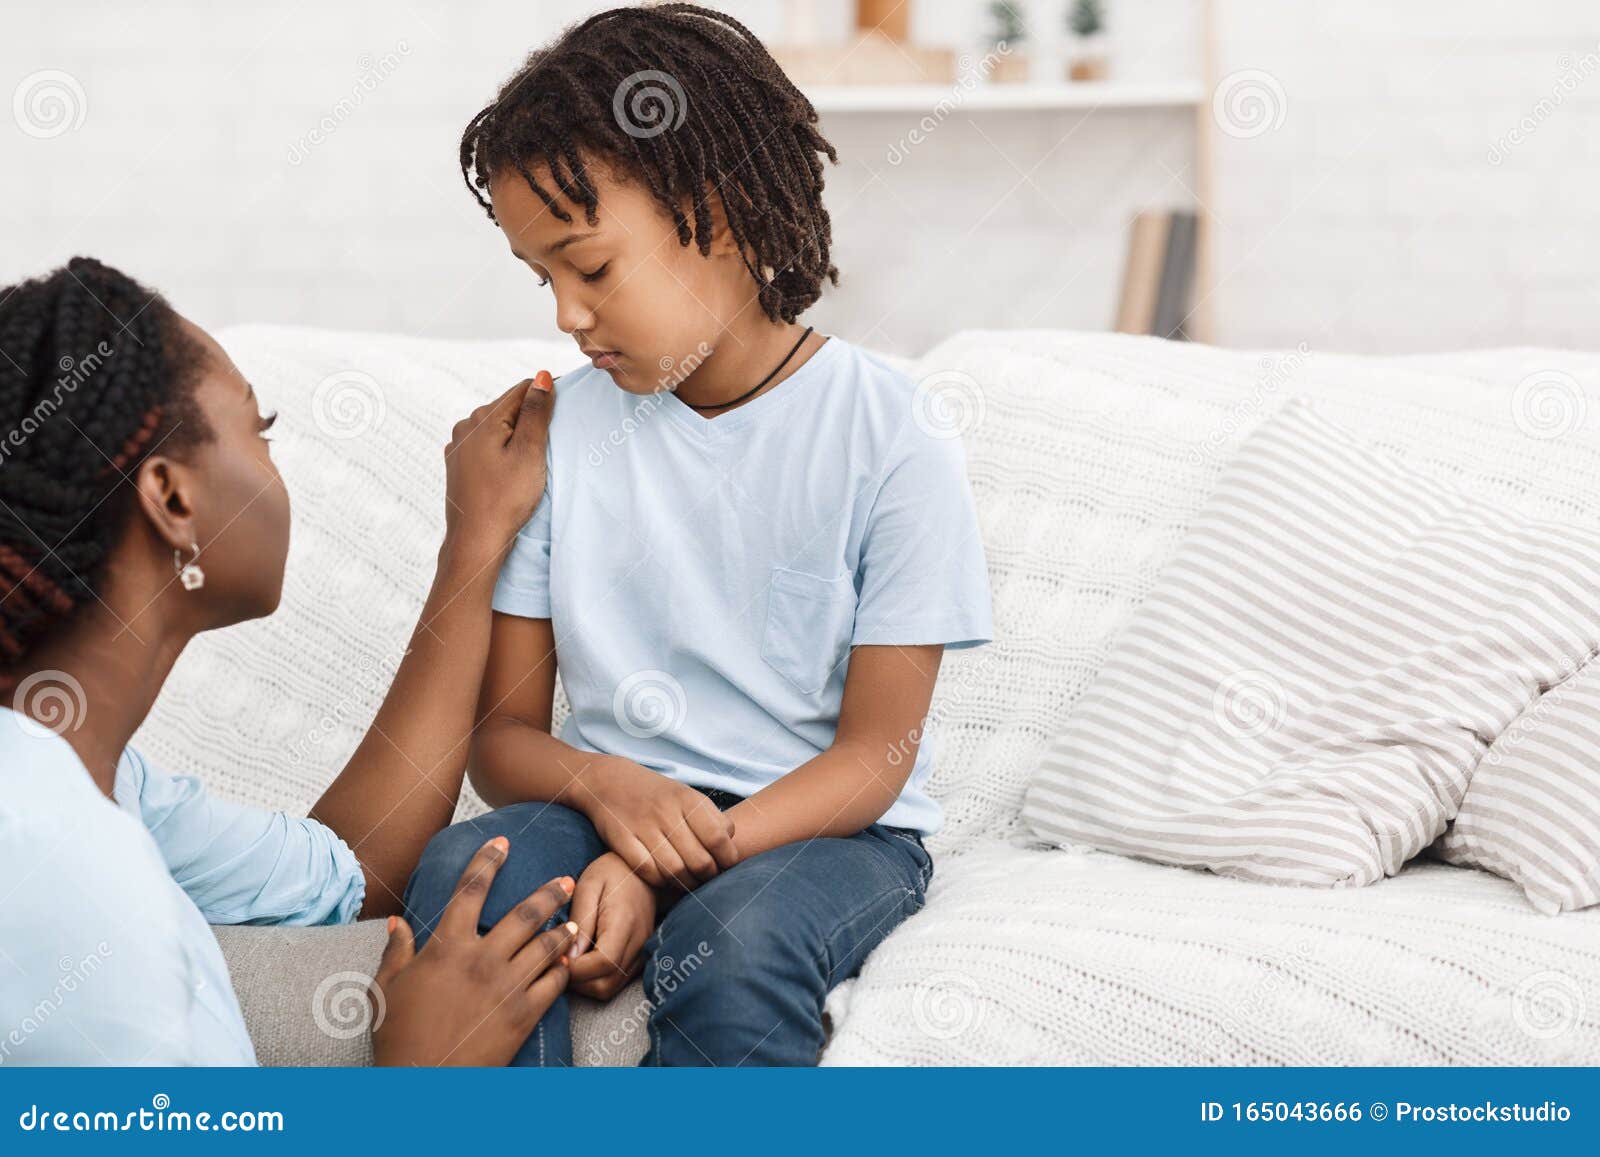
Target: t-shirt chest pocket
(808, 628)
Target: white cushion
(1532, 811)
(1303, 697)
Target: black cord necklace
(757, 387)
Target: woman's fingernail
(565, 962)
(567, 884)
(391, 922)
(502, 843)
(571, 927)
(543, 381)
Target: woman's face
(626, 283)
(241, 508)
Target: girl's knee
(544, 837)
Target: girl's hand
(670, 835)
(467, 999)
(615, 912)
(495, 464)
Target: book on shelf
(1158, 279)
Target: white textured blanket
(1052, 957)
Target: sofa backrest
(1088, 453)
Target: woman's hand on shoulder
(467, 999)
(495, 465)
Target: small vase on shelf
(1007, 44)
(1087, 20)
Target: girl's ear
(722, 242)
(166, 499)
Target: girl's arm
(665, 831)
(887, 691)
(401, 785)
(514, 755)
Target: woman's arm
(402, 783)
(887, 691)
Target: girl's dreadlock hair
(94, 374)
(678, 95)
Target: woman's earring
(189, 573)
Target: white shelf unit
(1192, 97)
(984, 97)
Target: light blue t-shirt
(706, 577)
(105, 907)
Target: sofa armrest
(303, 990)
(303, 993)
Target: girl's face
(627, 285)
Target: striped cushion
(1532, 812)
(1305, 693)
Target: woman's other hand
(467, 999)
(495, 465)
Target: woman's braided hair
(678, 95)
(95, 372)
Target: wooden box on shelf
(1012, 68)
(869, 58)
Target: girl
(748, 560)
(139, 506)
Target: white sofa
(1089, 455)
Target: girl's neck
(742, 360)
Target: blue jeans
(737, 971)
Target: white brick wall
(181, 171)
(1372, 218)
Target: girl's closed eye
(266, 424)
(590, 277)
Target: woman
(139, 506)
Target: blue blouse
(106, 954)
